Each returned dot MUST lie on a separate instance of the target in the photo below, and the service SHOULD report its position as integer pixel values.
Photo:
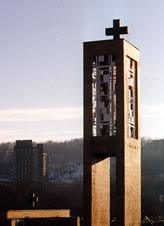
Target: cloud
(154, 111)
(152, 121)
(39, 136)
(9, 132)
(22, 115)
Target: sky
(41, 63)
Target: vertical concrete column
(132, 185)
(129, 186)
(13, 222)
(100, 213)
(78, 221)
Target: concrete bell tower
(112, 128)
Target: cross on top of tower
(116, 31)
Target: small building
(58, 217)
(30, 162)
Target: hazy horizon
(71, 139)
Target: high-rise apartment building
(30, 162)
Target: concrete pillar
(100, 193)
(13, 222)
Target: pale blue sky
(41, 63)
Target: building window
(132, 98)
(104, 96)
